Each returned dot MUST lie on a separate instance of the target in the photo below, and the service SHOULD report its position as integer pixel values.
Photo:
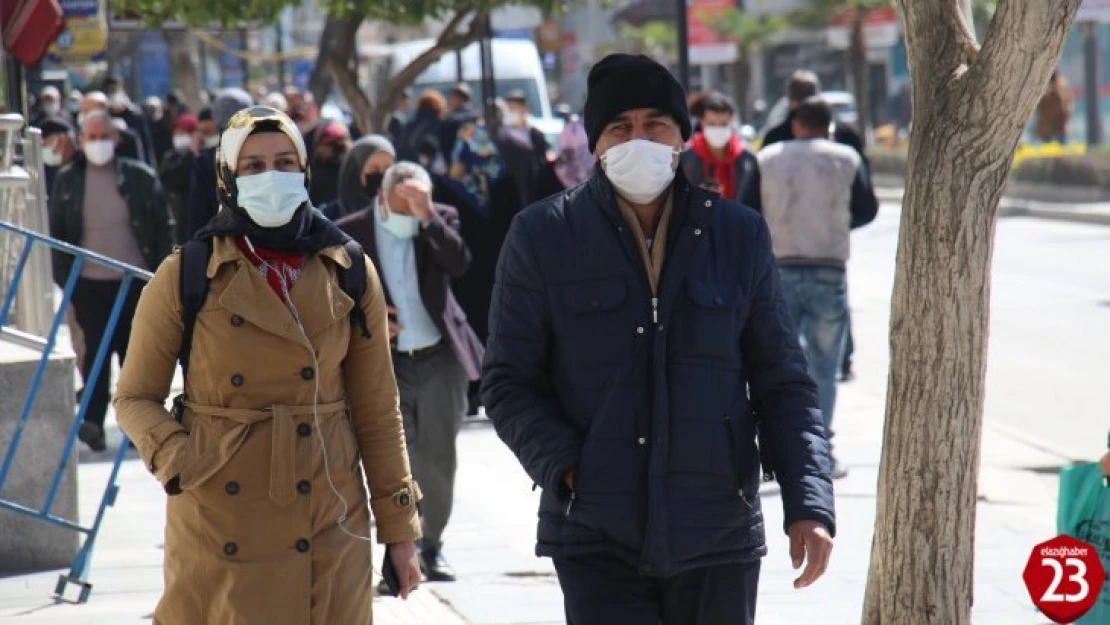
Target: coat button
(307, 373)
(640, 330)
(697, 232)
(236, 320)
(231, 549)
(232, 488)
(708, 203)
(237, 380)
(642, 440)
(303, 545)
(304, 487)
(304, 429)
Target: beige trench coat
(252, 538)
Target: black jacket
(652, 398)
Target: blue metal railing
(79, 569)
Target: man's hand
(419, 197)
(811, 543)
(407, 566)
(394, 327)
(568, 478)
(1105, 465)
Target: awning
(30, 27)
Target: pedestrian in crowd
(360, 177)
(121, 107)
(59, 147)
(1054, 111)
(129, 144)
(422, 132)
(522, 145)
(814, 191)
(115, 207)
(304, 110)
(275, 100)
(333, 141)
(717, 159)
(638, 342)
(207, 129)
(416, 245)
(802, 85)
(73, 103)
(176, 169)
(161, 135)
(203, 202)
(459, 112)
(399, 117)
(175, 107)
(696, 104)
(573, 164)
(48, 106)
(286, 403)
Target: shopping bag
(1083, 511)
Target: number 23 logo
(1078, 577)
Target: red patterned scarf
(274, 265)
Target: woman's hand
(406, 565)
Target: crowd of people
(634, 333)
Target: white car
(843, 106)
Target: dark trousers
(92, 302)
(432, 386)
(601, 589)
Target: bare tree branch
(1020, 31)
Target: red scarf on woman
(289, 264)
(723, 170)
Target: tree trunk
(320, 80)
(970, 107)
(857, 62)
(185, 65)
(342, 61)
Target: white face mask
(182, 142)
(52, 108)
(100, 152)
(50, 156)
(399, 226)
(717, 136)
(211, 142)
(271, 198)
(639, 169)
(516, 118)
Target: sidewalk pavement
(490, 540)
(1078, 212)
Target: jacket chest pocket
(710, 320)
(595, 322)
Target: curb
(1021, 207)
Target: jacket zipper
(655, 310)
(570, 503)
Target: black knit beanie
(622, 82)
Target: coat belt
(283, 448)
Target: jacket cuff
(151, 442)
(398, 520)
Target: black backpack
(194, 290)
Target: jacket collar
(224, 251)
(691, 205)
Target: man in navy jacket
(638, 346)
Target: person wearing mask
(175, 107)
(573, 164)
(306, 112)
(332, 143)
(638, 340)
(524, 146)
(288, 400)
(399, 116)
(360, 176)
(59, 147)
(203, 202)
(49, 106)
(801, 86)
(423, 131)
(73, 103)
(207, 130)
(115, 207)
(161, 134)
(459, 113)
(129, 145)
(177, 168)
(121, 107)
(814, 191)
(416, 245)
(717, 159)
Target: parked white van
(516, 66)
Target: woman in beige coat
(286, 402)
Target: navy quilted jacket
(653, 401)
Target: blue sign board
(155, 74)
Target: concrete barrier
(27, 544)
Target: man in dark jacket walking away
(638, 344)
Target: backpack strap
(353, 282)
(194, 290)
